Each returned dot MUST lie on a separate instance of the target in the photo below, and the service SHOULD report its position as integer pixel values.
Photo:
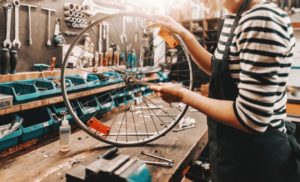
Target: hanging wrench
(16, 43)
(123, 35)
(49, 21)
(7, 43)
(29, 21)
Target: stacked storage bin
(37, 122)
(20, 91)
(11, 139)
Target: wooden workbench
(48, 164)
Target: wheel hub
(129, 80)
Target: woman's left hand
(169, 92)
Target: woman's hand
(167, 22)
(169, 92)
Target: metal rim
(78, 120)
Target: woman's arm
(219, 110)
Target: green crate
(44, 87)
(86, 107)
(20, 91)
(12, 139)
(37, 123)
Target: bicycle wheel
(114, 104)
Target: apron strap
(244, 6)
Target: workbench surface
(48, 164)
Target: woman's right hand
(167, 22)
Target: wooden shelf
(59, 99)
(55, 73)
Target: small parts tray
(11, 139)
(43, 86)
(20, 91)
(37, 122)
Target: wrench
(123, 35)
(29, 22)
(7, 43)
(49, 21)
(16, 43)
(157, 157)
(163, 164)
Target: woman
(247, 101)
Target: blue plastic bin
(57, 83)
(113, 78)
(105, 101)
(86, 107)
(45, 87)
(12, 139)
(37, 122)
(94, 80)
(78, 83)
(122, 97)
(162, 77)
(20, 91)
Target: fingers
(155, 88)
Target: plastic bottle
(64, 135)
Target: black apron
(236, 156)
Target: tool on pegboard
(58, 38)
(49, 11)
(29, 21)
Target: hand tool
(185, 128)
(16, 43)
(157, 157)
(13, 61)
(123, 35)
(58, 38)
(53, 62)
(8, 7)
(29, 21)
(163, 164)
(49, 21)
(41, 68)
(136, 33)
(5, 61)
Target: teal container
(162, 77)
(37, 123)
(94, 80)
(12, 139)
(113, 78)
(78, 83)
(20, 91)
(122, 98)
(105, 101)
(45, 88)
(86, 107)
(59, 111)
(57, 84)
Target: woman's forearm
(200, 55)
(219, 110)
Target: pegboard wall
(38, 52)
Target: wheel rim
(163, 119)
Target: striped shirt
(260, 60)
